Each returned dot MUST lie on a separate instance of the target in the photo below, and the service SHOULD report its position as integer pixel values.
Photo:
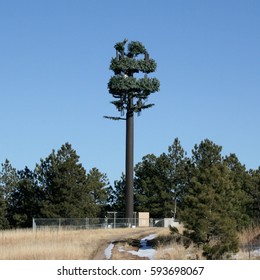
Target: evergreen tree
(25, 199)
(177, 172)
(8, 182)
(8, 179)
(153, 188)
(4, 224)
(239, 198)
(98, 186)
(64, 183)
(253, 191)
(147, 186)
(117, 195)
(208, 202)
(160, 181)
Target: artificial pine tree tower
(131, 95)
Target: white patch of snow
(143, 242)
(108, 251)
(121, 249)
(145, 251)
(256, 253)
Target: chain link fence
(93, 223)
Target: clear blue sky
(54, 69)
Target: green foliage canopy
(58, 187)
(123, 85)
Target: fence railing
(93, 223)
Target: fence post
(33, 225)
(87, 223)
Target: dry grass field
(63, 244)
(168, 249)
(249, 239)
(90, 244)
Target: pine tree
(253, 191)
(63, 181)
(207, 203)
(160, 181)
(153, 188)
(148, 183)
(25, 200)
(8, 182)
(4, 224)
(8, 179)
(97, 183)
(239, 197)
(177, 172)
(117, 196)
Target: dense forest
(215, 196)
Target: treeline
(215, 196)
(58, 187)
(204, 183)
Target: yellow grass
(168, 249)
(58, 245)
(84, 244)
(246, 238)
(248, 235)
